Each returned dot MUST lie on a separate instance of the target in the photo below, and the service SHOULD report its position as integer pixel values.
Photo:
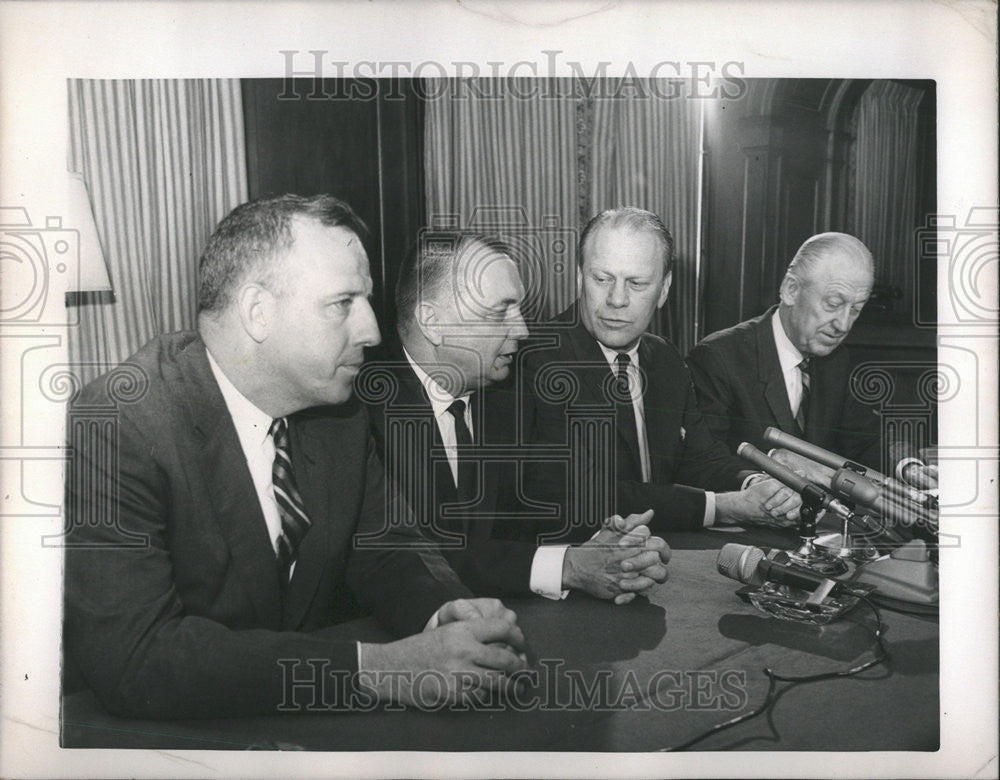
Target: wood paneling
(308, 137)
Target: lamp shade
(93, 276)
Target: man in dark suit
(788, 368)
(620, 400)
(447, 418)
(235, 507)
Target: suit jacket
(490, 543)
(173, 603)
(569, 379)
(742, 391)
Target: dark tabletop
(639, 677)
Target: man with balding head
(446, 417)
(788, 368)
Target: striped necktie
(800, 415)
(294, 521)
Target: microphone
(779, 438)
(810, 492)
(855, 488)
(752, 566)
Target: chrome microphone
(779, 438)
(752, 566)
(808, 490)
(853, 487)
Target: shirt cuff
(546, 571)
(709, 519)
(751, 479)
(903, 464)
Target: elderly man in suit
(447, 417)
(621, 399)
(250, 480)
(788, 368)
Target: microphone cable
(881, 655)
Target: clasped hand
(476, 646)
(620, 562)
(766, 502)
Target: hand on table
(470, 609)
(621, 561)
(471, 655)
(765, 503)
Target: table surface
(640, 677)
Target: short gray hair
(636, 220)
(430, 264)
(253, 238)
(823, 245)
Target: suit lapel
(233, 496)
(317, 478)
(413, 397)
(825, 399)
(770, 377)
(594, 389)
(489, 429)
(660, 408)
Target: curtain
(647, 153)
(500, 158)
(885, 185)
(163, 161)
(552, 153)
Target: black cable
(881, 655)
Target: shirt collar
(252, 425)
(440, 398)
(611, 355)
(788, 354)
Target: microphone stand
(808, 554)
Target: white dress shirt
(253, 430)
(635, 389)
(545, 578)
(789, 357)
(440, 400)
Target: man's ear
(789, 290)
(255, 307)
(665, 290)
(579, 281)
(426, 316)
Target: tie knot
(622, 360)
(804, 365)
(457, 409)
(279, 432)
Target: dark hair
(431, 262)
(638, 220)
(251, 240)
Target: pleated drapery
(506, 163)
(885, 185)
(163, 161)
(647, 153)
(554, 152)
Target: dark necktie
(294, 521)
(801, 414)
(463, 452)
(625, 411)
